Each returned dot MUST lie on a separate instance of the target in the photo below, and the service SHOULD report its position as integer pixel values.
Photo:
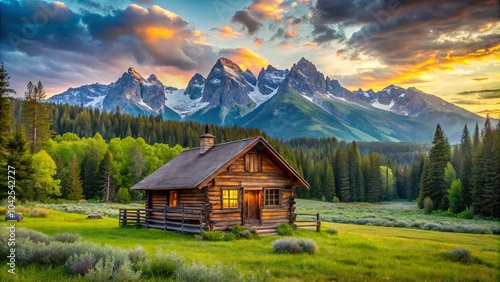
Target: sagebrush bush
(126, 273)
(162, 265)
(138, 255)
(199, 272)
(102, 271)
(80, 264)
(295, 246)
(39, 213)
(212, 236)
(284, 229)
(67, 237)
(3, 210)
(32, 235)
(333, 230)
(458, 255)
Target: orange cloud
(152, 34)
(268, 9)
(226, 32)
(293, 5)
(425, 67)
(246, 59)
(285, 45)
(258, 42)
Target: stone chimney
(207, 140)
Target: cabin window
(253, 162)
(230, 198)
(172, 198)
(272, 197)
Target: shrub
(295, 246)
(35, 236)
(237, 230)
(39, 213)
(3, 210)
(162, 265)
(284, 229)
(428, 205)
(432, 226)
(333, 230)
(199, 272)
(466, 214)
(126, 273)
(102, 271)
(212, 236)
(123, 196)
(137, 255)
(308, 245)
(67, 237)
(230, 237)
(80, 264)
(336, 199)
(458, 255)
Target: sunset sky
(448, 48)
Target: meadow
(356, 253)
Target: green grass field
(357, 253)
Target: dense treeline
(467, 179)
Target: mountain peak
(131, 71)
(152, 78)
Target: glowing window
(229, 198)
(172, 198)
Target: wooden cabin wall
(236, 177)
(193, 198)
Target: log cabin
(216, 186)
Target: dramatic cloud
(423, 33)
(34, 31)
(247, 20)
(226, 32)
(245, 58)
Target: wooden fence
(183, 219)
(308, 220)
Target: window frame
(229, 198)
(267, 192)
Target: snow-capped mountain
(301, 101)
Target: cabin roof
(190, 169)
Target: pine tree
(341, 177)
(329, 184)
(449, 174)
(355, 174)
(374, 186)
(486, 175)
(36, 116)
(106, 178)
(439, 155)
(5, 125)
(19, 157)
(75, 190)
(466, 166)
(5, 108)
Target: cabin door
(252, 206)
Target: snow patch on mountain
(378, 105)
(182, 104)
